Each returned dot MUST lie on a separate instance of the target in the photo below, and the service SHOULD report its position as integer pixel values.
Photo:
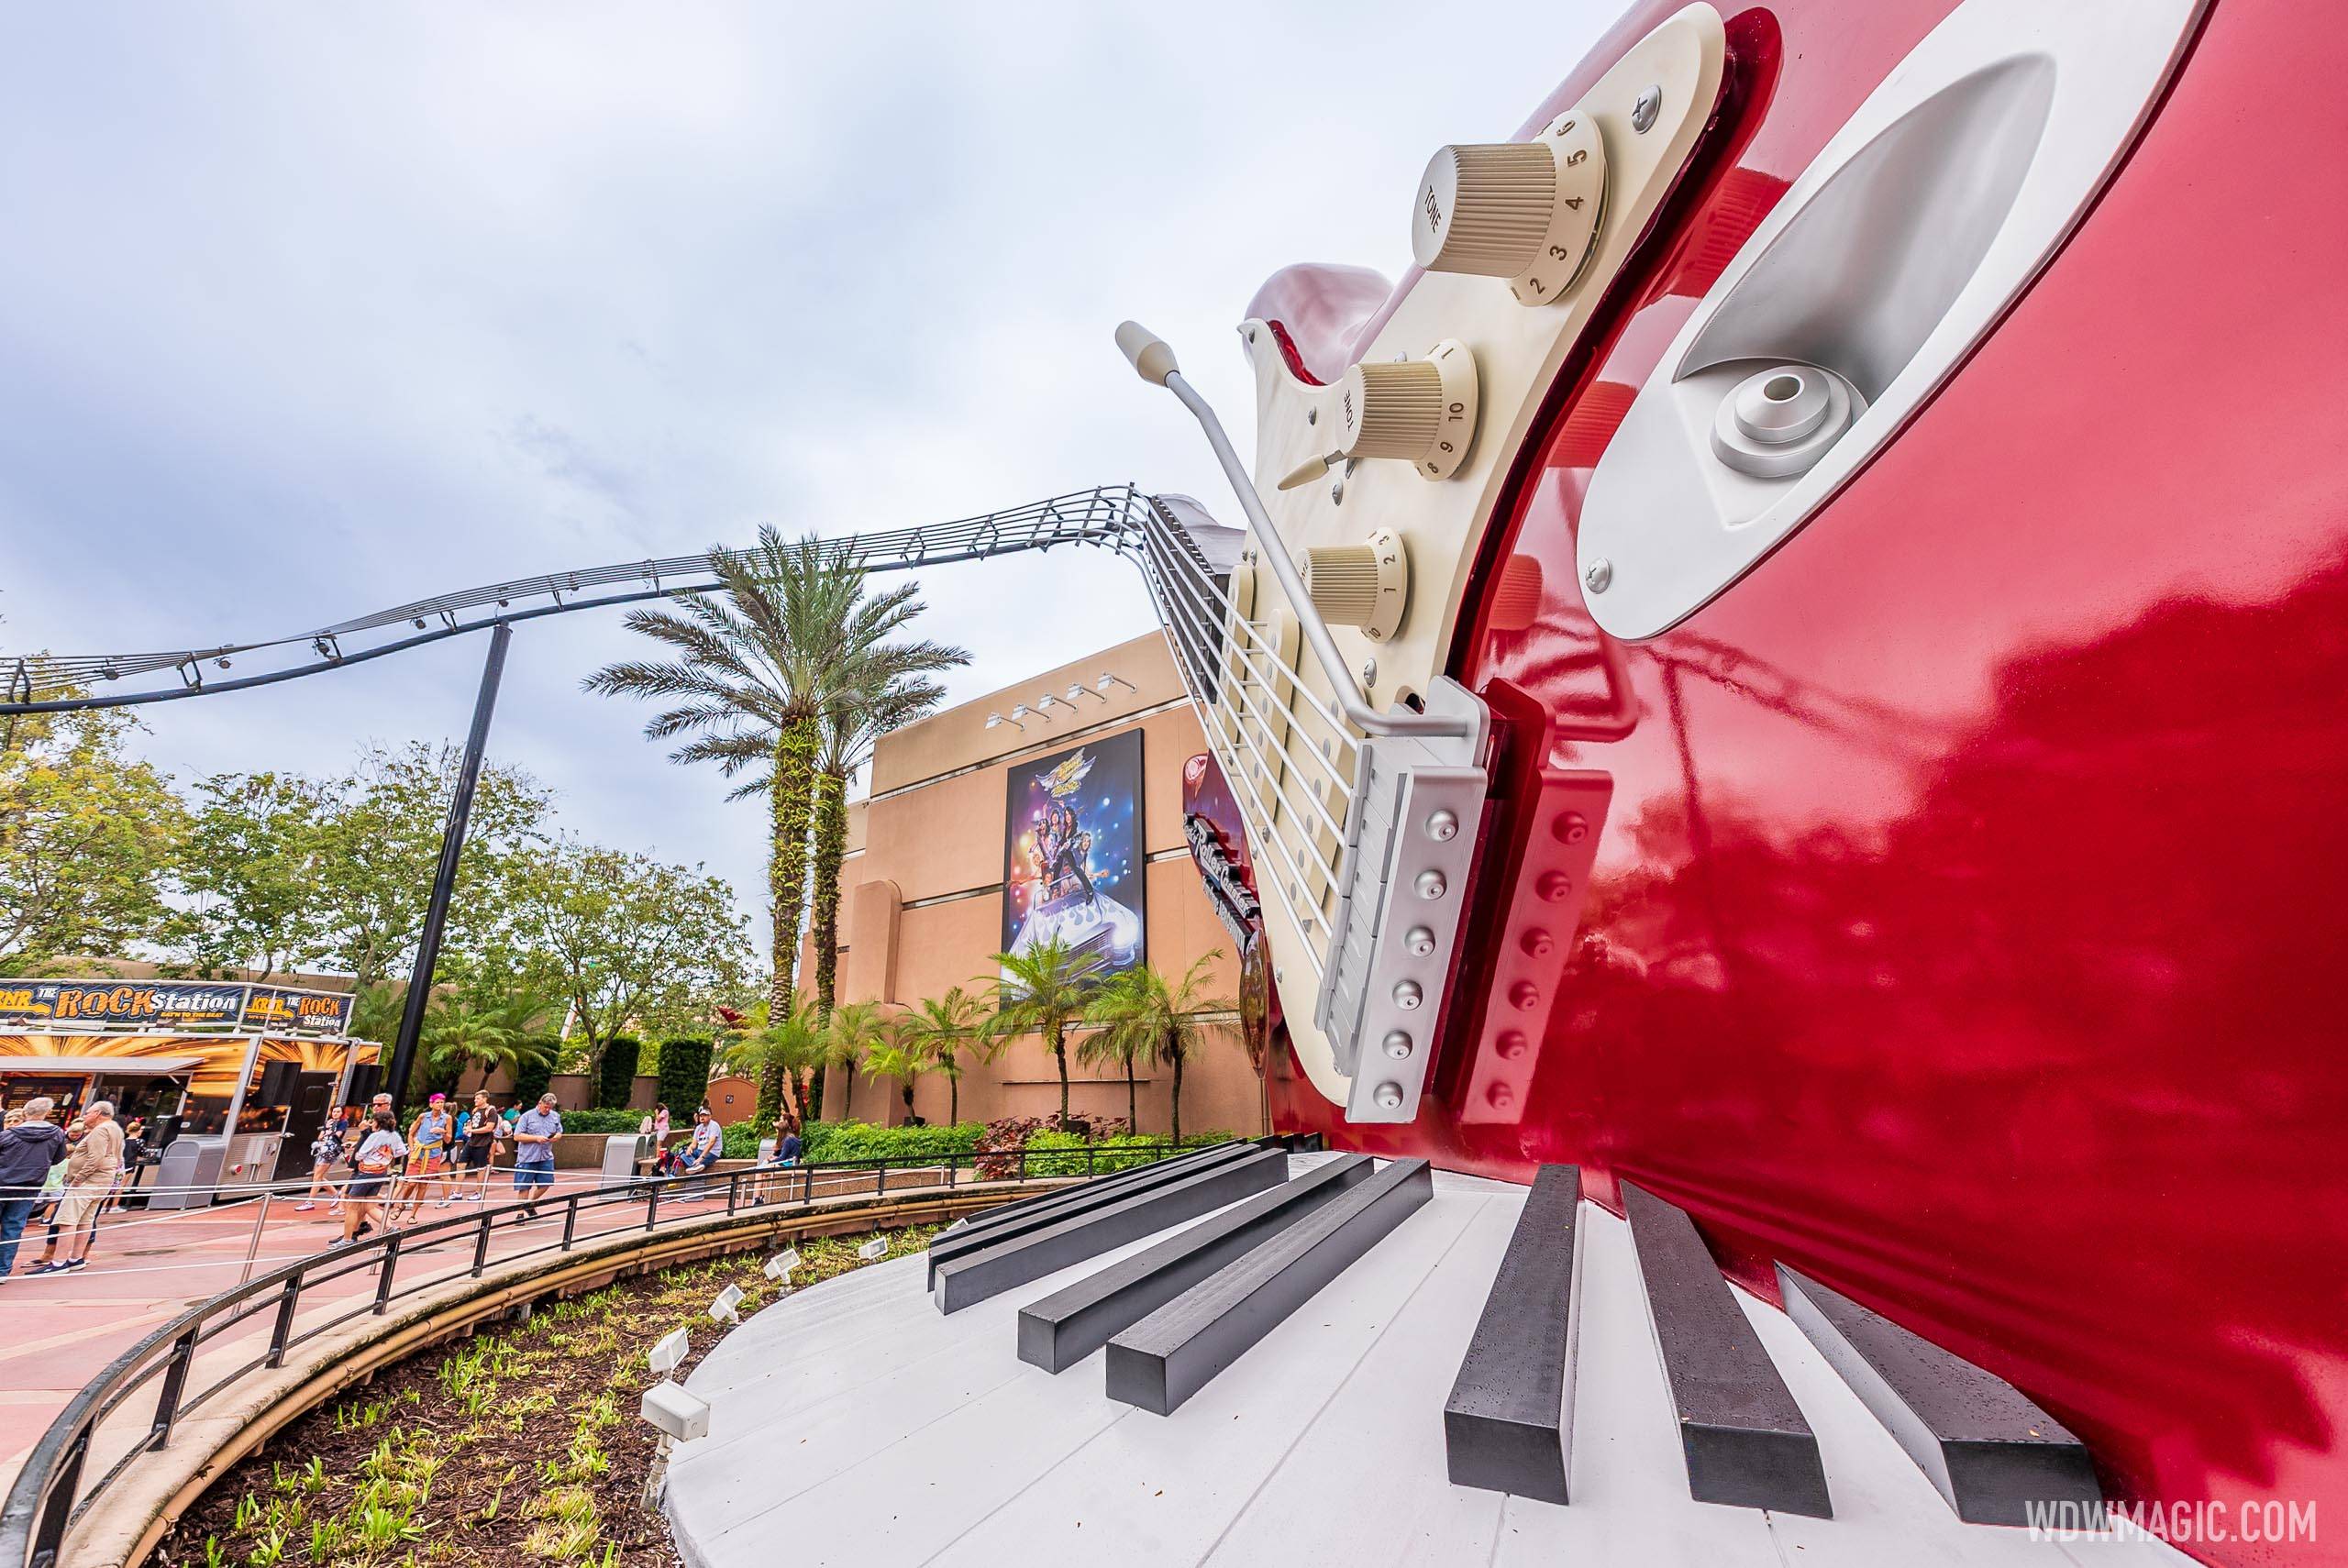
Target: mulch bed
(515, 1447)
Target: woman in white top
(380, 1152)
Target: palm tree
(1140, 1015)
(505, 1033)
(902, 1056)
(944, 1027)
(889, 688)
(759, 664)
(1042, 992)
(856, 1027)
(789, 1052)
(1120, 1048)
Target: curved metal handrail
(48, 1497)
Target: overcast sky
(309, 310)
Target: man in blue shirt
(534, 1137)
(28, 1149)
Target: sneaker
(47, 1268)
(303, 1208)
(70, 1264)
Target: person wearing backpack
(31, 1147)
(378, 1154)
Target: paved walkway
(57, 1331)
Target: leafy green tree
(1139, 1015)
(944, 1028)
(248, 867)
(1042, 992)
(621, 936)
(790, 637)
(88, 835)
(380, 845)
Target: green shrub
(602, 1121)
(1056, 1155)
(531, 1080)
(742, 1140)
(862, 1141)
(617, 1078)
(684, 1076)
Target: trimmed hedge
(606, 1120)
(616, 1077)
(1049, 1153)
(531, 1079)
(684, 1076)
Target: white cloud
(307, 311)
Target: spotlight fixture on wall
(1044, 704)
(1024, 711)
(996, 720)
(1077, 689)
(1107, 680)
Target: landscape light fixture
(873, 1249)
(722, 1310)
(996, 720)
(780, 1265)
(1107, 680)
(670, 1353)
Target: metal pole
(444, 880)
(253, 1250)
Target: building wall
(921, 890)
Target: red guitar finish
(1966, 921)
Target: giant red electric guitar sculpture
(1879, 471)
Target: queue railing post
(167, 1399)
(281, 1333)
(570, 1219)
(651, 1204)
(480, 1243)
(383, 1279)
(56, 1509)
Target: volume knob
(1526, 211)
(1421, 411)
(1366, 585)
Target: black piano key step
(1507, 1425)
(1065, 1327)
(1991, 1451)
(1034, 1214)
(1744, 1440)
(994, 1266)
(1027, 1206)
(1176, 1350)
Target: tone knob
(1526, 211)
(1366, 585)
(1421, 411)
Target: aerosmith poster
(1072, 861)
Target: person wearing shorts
(427, 1156)
(374, 1155)
(91, 1171)
(479, 1133)
(534, 1138)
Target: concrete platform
(851, 1424)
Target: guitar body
(1956, 913)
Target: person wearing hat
(702, 1150)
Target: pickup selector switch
(1526, 211)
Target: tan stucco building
(923, 888)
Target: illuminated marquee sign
(111, 1006)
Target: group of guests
(698, 1154)
(70, 1171)
(364, 1166)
